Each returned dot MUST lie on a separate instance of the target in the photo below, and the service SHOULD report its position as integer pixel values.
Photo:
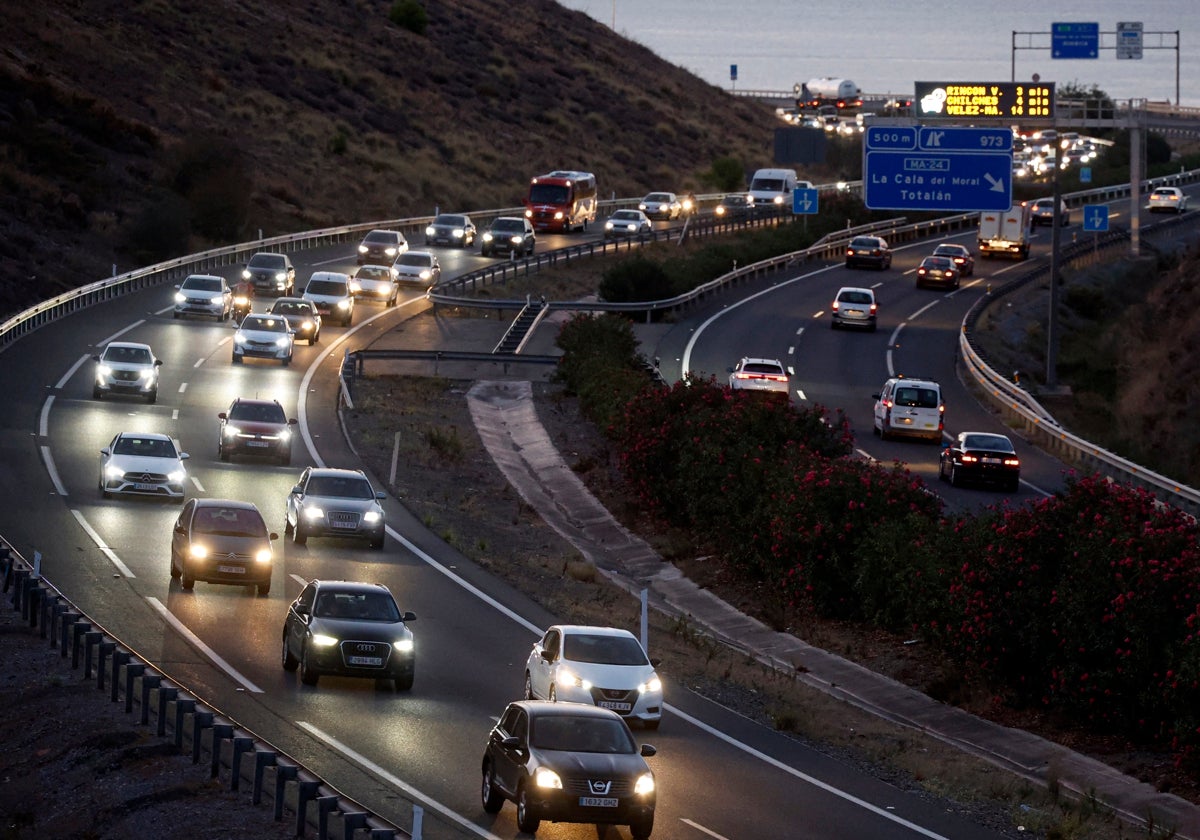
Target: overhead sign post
(931, 168)
(1074, 40)
(1129, 39)
(1007, 101)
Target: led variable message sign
(982, 100)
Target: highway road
(720, 776)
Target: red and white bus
(561, 200)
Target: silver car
(264, 337)
(203, 294)
(451, 229)
(333, 295)
(124, 367)
(661, 205)
(334, 503)
(419, 267)
(143, 465)
(376, 282)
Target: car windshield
(762, 367)
(415, 258)
(548, 194)
(937, 262)
(768, 184)
(381, 237)
(509, 226)
(258, 412)
(455, 221)
(603, 649)
(266, 261)
(864, 242)
(373, 272)
(917, 397)
(626, 216)
(203, 284)
(145, 447)
(263, 323)
(127, 355)
(580, 734)
(229, 522)
(326, 287)
(948, 251)
(658, 197)
(854, 297)
(291, 307)
(357, 606)
(993, 442)
(732, 200)
(344, 487)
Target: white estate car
(751, 374)
(599, 666)
(264, 336)
(1168, 200)
(143, 465)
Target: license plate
(905, 421)
(373, 661)
(993, 461)
(346, 526)
(145, 487)
(232, 570)
(257, 443)
(598, 801)
(616, 707)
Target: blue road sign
(1085, 174)
(927, 168)
(733, 72)
(1095, 217)
(804, 201)
(1074, 40)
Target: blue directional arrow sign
(929, 168)
(804, 201)
(1074, 40)
(1095, 217)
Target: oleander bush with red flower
(1085, 604)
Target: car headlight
(644, 784)
(263, 555)
(430, 231)
(232, 431)
(652, 685)
(180, 297)
(280, 276)
(321, 640)
(391, 252)
(544, 777)
(778, 199)
(281, 342)
(372, 516)
(568, 678)
(103, 371)
(558, 215)
(518, 239)
(608, 225)
(343, 304)
(307, 325)
(148, 374)
(403, 645)
(176, 476)
(285, 434)
(720, 211)
(313, 512)
(426, 274)
(246, 275)
(487, 237)
(238, 338)
(459, 233)
(113, 471)
(198, 551)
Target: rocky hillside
(132, 132)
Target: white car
(420, 267)
(264, 336)
(661, 205)
(627, 223)
(854, 307)
(144, 465)
(767, 375)
(203, 294)
(376, 282)
(333, 295)
(125, 367)
(599, 666)
(1168, 200)
(910, 408)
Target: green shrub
(410, 15)
(634, 279)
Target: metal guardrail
(179, 715)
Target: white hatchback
(599, 666)
(264, 336)
(1168, 200)
(854, 307)
(143, 465)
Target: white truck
(1004, 232)
(842, 93)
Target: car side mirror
(106, 451)
(547, 655)
(296, 491)
(655, 661)
(511, 742)
(874, 396)
(292, 421)
(95, 358)
(177, 286)
(183, 456)
(408, 616)
(157, 362)
(302, 610)
(222, 415)
(379, 495)
(274, 536)
(648, 750)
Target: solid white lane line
(71, 372)
(44, 417)
(50, 468)
(182, 630)
(108, 552)
(701, 828)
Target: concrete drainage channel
(214, 742)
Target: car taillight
(873, 308)
(969, 459)
(1012, 462)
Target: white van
(772, 188)
(910, 408)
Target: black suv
(508, 234)
(381, 247)
(256, 427)
(272, 274)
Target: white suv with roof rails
(910, 408)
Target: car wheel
(404, 683)
(553, 698)
(289, 662)
(526, 821)
(287, 526)
(1014, 486)
(528, 687)
(883, 433)
(315, 338)
(391, 301)
(493, 799)
(222, 453)
(308, 675)
(97, 394)
(954, 479)
(299, 537)
(175, 315)
(652, 725)
(152, 397)
(104, 494)
(642, 828)
(377, 542)
(285, 457)
(264, 589)
(237, 360)
(186, 581)
(285, 361)
(941, 471)
(175, 573)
